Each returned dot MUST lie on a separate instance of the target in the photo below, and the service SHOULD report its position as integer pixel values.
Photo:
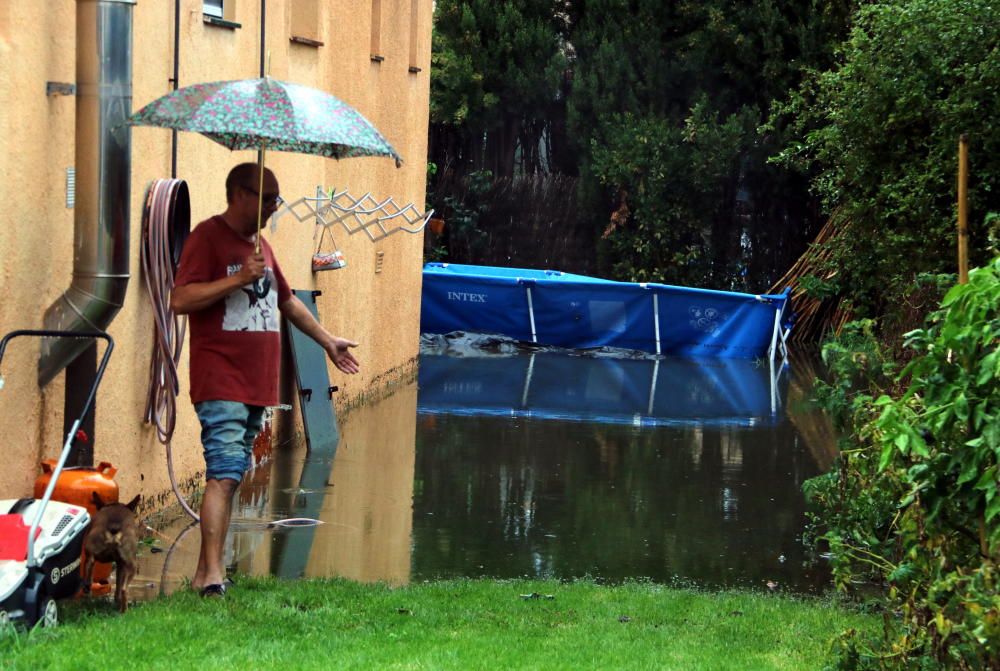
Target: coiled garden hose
(166, 222)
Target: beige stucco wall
(37, 144)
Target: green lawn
(465, 624)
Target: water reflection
(717, 505)
(644, 392)
(558, 466)
(363, 498)
(551, 466)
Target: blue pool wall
(583, 312)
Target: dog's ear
(97, 500)
(134, 503)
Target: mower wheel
(48, 614)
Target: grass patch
(266, 623)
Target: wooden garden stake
(963, 224)
(963, 266)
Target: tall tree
(498, 68)
(696, 78)
(655, 104)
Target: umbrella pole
(260, 195)
(263, 144)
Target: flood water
(545, 464)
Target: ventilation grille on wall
(70, 188)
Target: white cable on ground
(167, 203)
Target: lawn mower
(41, 540)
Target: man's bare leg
(216, 509)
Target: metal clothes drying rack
(378, 219)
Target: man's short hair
(239, 177)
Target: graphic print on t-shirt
(248, 311)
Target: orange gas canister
(77, 486)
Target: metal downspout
(263, 35)
(175, 81)
(103, 173)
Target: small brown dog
(113, 536)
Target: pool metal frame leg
(531, 314)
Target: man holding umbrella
(232, 290)
(233, 293)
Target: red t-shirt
(235, 342)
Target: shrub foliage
(879, 134)
(913, 504)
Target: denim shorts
(228, 429)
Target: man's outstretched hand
(338, 349)
(341, 356)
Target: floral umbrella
(267, 114)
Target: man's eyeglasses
(269, 198)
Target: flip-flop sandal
(213, 590)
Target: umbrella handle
(260, 194)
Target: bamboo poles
(815, 316)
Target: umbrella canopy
(268, 113)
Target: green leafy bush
(913, 505)
(464, 210)
(879, 135)
(674, 182)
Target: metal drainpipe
(175, 81)
(103, 173)
(263, 33)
